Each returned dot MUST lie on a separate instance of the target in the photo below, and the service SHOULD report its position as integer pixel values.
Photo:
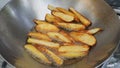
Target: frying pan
(16, 21)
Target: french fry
(75, 48)
(58, 37)
(71, 26)
(52, 8)
(36, 53)
(84, 38)
(93, 31)
(43, 42)
(57, 60)
(81, 18)
(62, 16)
(71, 55)
(39, 36)
(46, 27)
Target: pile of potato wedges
(63, 35)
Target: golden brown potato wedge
(58, 37)
(46, 27)
(71, 26)
(66, 35)
(57, 60)
(39, 36)
(93, 31)
(39, 21)
(84, 38)
(81, 18)
(62, 16)
(70, 55)
(52, 19)
(52, 8)
(65, 11)
(49, 18)
(43, 42)
(75, 48)
(37, 54)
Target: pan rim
(107, 59)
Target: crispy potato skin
(43, 42)
(71, 26)
(71, 55)
(93, 31)
(58, 37)
(84, 38)
(56, 59)
(65, 11)
(43, 29)
(39, 36)
(81, 18)
(62, 16)
(36, 53)
(75, 48)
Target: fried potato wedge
(71, 26)
(81, 18)
(71, 55)
(43, 42)
(37, 54)
(62, 16)
(52, 8)
(39, 21)
(75, 48)
(50, 18)
(66, 35)
(39, 36)
(57, 60)
(93, 31)
(65, 11)
(58, 37)
(84, 38)
(46, 27)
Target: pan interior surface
(16, 20)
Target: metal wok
(16, 21)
